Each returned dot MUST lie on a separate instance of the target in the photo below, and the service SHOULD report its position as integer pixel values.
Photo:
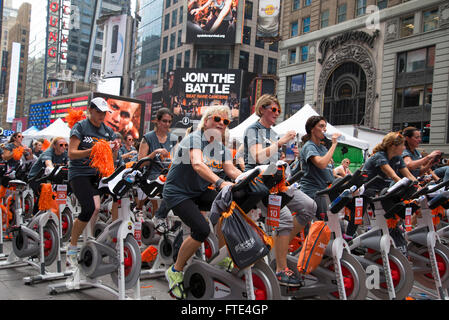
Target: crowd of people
(202, 164)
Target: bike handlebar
(244, 182)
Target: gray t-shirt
(153, 144)
(48, 154)
(258, 134)
(314, 179)
(88, 135)
(372, 168)
(415, 155)
(183, 182)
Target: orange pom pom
(45, 144)
(47, 197)
(129, 164)
(102, 158)
(17, 153)
(149, 254)
(74, 116)
(2, 192)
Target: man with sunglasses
(56, 154)
(262, 146)
(127, 151)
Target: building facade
(381, 64)
(18, 35)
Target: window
(430, 19)
(274, 46)
(179, 38)
(295, 4)
(415, 96)
(272, 66)
(172, 41)
(407, 26)
(246, 35)
(167, 4)
(174, 18)
(179, 60)
(243, 60)
(341, 13)
(187, 59)
(297, 83)
(181, 12)
(260, 43)
(361, 7)
(292, 56)
(167, 21)
(170, 63)
(307, 3)
(164, 44)
(248, 10)
(416, 60)
(324, 19)
(304, 53)
(382, 4)
(163, 67)
(306, 25)
(294, 29)
(258, 64)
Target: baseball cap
(100, 104)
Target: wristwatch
(219, 182)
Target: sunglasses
(63, 145)
(273, 109)
(225, 121)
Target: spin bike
(339, 275)
(205, 280)
(429, 256)
(379, 250)
(37, 238)
(115, 252)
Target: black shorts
(85, 188)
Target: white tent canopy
(297, 122)
(237, 132)
(57, 129)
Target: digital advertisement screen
(127, 114)
(188, 92)
(211, 21)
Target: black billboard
(211, 21)
(187, 92)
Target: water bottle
(131, 178)
(345, 193)
(329, 136)
(289, 154)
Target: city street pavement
(12, 287)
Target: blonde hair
(210, 110)
(265, 100)
(391, 139)
(56, 139)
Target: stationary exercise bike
(377, 246)
(38, 238)
(115, 252)
(339, 275)
(429, 256)
(205, 280)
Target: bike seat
(17, 183)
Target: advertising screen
(187, 92)
(211, 21)
(268, 19)
(127, 114)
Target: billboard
(13, 82)
(211, 21)
(268, 17)
(127, 114)
(188, 91)
(114, 53)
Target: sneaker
(175, 282)
(288, 278)
(160, 224)
(226, 264)
(72, 258)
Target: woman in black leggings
(82, 177)
(199, 158)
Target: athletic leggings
(85, 189)
(189, 212)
